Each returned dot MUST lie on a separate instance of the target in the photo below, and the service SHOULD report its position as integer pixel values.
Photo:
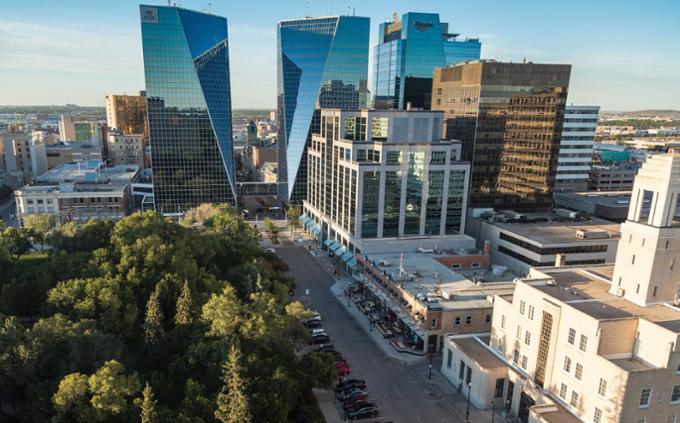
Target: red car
(341, 363)
(343, 371)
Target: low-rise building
(595, 344)
(126, 149)
(24, 157)
(521, 241)
(380, 178)
(63, 152)
(269, 172)
(616, 177)
(93, 171)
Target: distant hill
(642, 114)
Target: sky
(625, 55)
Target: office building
(126, 149)
(24, 157)
(322, 63)
(406, 55)
(72, 130)
(186, 65)
(509, 118)
(613, 177)
(520, 241)
(127, 113)
(576, 148)
(384, 180)
(596, 344)
(63, 152)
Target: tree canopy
(198, 311)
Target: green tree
(184, 311)
(16, 241)
(222, 313)
(72, 400)
(153, 321)
(149, 414)
(271, 229)
(112, 391)
(293, 216)
(232, 401)
(199, 214)
(40, 226)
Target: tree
(111, 390)
(153, 322)
(232, 402)
(72, 400)
(40, 226)
(17, 242)
(198, 215)
(293, 215)
(149, 414)
(184, 313)
(271, 228)
(222, 313)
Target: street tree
(232, 401)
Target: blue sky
(625, 54)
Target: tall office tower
(406, 55)
(509, 117)
(127, 113)
(322, 63)
(576, 148)
(186, 64)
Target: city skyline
(80, 53)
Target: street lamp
(429, 369)
(467, 406)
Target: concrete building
(77, 202)
(376, 177)
(93, 171)
(616, 177)
(589, 344)
(576, 148)
(521, 241)
(509, 118)
(127, 113)
(24, 157)
(64, 152)
(268, 172)
(124, 149)
(72, 130)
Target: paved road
(7, 209)
(402, 392)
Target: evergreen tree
(149, 414)
(232, 402)
(153, 322)
(185, 307)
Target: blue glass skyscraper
(186, 65)
(322, 63)
(406, 55)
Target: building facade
(406, 54)
(576, 148)
(186, 65)
(24, 157)
(126, 149)
(509, 118)
(64, 152)
(127, 113)
(613, 177)
(377, 176)
(72, 130)
(322, 63)
(596, 344)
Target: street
(7, 209)
(402, 392)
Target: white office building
(384, 181)
(576, 148)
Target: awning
(335, 248)
(352, 262)
(303, 217)
(328, 242)
(348, 255)
(315, 231)
(340, 251)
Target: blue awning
(347, 256)
(316, 231)
(328, 242)
(341, 250)
(352, 262)
(335, 247)
(303, 217)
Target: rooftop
(93, 171)
(477, 349)
(549, 228)
(554, 413)
(72, 187)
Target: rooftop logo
(149, 14)
(422, 26)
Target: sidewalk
(326, 401)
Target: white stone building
(576, 148)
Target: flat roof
(587, 290)
(423, 276)
(630, 364)
(89, 171)
(607, 198)
(561, 232)
(475, 348)
(554, 413)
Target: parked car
(350, 383)
(315, 318)
(271, 250)
(364, 412)
(317, 331)
(321, 338)
(341, 363)
(348, 393)
(314, 324)
(327, 348)
(355, 401)
(343, 371)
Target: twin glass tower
(186, 65)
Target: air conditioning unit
(551, 282)
(620, 292)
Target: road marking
(397, 391)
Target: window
(525, 361)
(637, 289)
(527, 338)
(503, 327)
(461, 370)
(567, 364)
(584, 343)
(641, 420)
(654, 290)
(434, 323)
(572, 336)
(602, 387)
(449, 358)
(675, 396)
(498, 392)
(515, 356)
(530, 315)
(456, 321)
(522, 305)
(456, 266)
(671, 419)
(519, 332)
(563, 391)
(488, 318)
(578, 372)
(633, 261)
(677, 369)
(468, 320)
(645, 397)
(574, 399)
(597, 415)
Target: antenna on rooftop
(307, 10)
(209, 6)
